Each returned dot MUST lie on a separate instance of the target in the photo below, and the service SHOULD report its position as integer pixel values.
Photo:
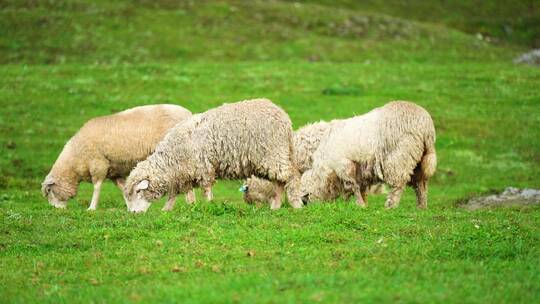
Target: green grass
(485, 109)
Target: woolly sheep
(394, 144)
(109, 147)
(233, 141)
(306, 141)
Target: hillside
(106, 32)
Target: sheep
(233, 141)
(394, 144)
(109, 147)
(306, 140)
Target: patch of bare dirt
(509, 197)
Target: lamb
(394, 144)
(109, 147)
(306, 140)
(233, 141)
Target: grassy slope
(82, 32)
(504, 21)
(486, 114)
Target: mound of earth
(509, 197)
(532, 57)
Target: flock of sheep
(150, 151)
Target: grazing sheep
(109, 147)
(394, 144)
(232, 141)
(306, 141)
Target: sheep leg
(95, 195)
(190, 197)
(376, 189)
(120, 183)
(275, 202)
(347, 171)
(420, 188)
(169, 205)
(207, 192)
(285, 173)
(360, 196)
(363, 194)
(292, 187)
(392, 201)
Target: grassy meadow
(64, 62)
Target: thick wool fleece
(232, 141)
(394, 144)
(109, 147)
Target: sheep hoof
(361, 202)
(91, 209)
(275, 205)
(166, 209)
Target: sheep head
(56, 191)
(142, 188)
(319, 185)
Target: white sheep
(110, 147)
(306, 141)
(232, 141)
(394, 144)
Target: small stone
(177, 268)
(511, 196)
(199, 263)
(532, 57)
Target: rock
(509, 197)
(532, 57)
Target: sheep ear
(46, 187)
(48, 183)
(244, 188)
(143, 185)
(49, 180)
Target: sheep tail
(429, 159)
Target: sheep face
(53, 191)
(319, 185)
(257, 190)
(138, 196)
(247, 194)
